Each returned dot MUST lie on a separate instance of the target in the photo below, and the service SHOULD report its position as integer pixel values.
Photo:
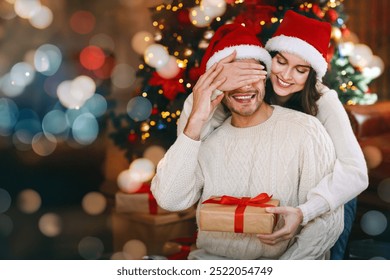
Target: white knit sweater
(349, 177)
(285, 156)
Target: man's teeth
(243, 97)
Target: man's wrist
(193, 129)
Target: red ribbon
(185, 247)
(257, 201)
(145, 188)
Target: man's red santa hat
(234, 36)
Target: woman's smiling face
(289, 74)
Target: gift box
(138, 202)
(153, 230)
(240, 215)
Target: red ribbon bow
(257, 201)
(171, 87)
(145, 188)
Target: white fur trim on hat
(301, 48)
(242, 52)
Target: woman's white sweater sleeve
(349, 177)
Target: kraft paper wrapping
(135, 203)
(218, 217)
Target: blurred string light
(5, 200)
(373, 222)
(82, 22)
(60, 123)
(94, 203)
(50, 224)
(29, 201)
(91, 248)
(140, 171)
(134, 249)
(384, 190)
(38, 15)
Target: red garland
(254, 14)
(171, 87)
(257, 201)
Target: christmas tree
(183, 29)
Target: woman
(299, 49)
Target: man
(260, 148)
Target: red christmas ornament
(330, 53)
(317, 11)
(132, 137)
(183, 16)
(332, 15)
(154, 110)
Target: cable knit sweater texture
(285, 156)
(349, 177)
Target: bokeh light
(9, 113)
(27, 8)
(27, 126)
(154, 154)
(123, 76)
(373, 222)
(156, 55)
(85, 129)
(50, 224)
(103, 41)
(91, 248)
(384, 190)
(142, 169)
(6, 225)
(9, 88)
(43, 144)
(170, 69)
(47, 59)
(5, 200)
(82, 22)
(141, 40)
(7, 10)
(94, 203)
(74, 93)
(128, 182)
(134, 250)
(92, 57)
(139, 108)
(55, 123)
(117, 256)
(96, 105)
(42, 18)
(29, 201)
(22, 74)
(373, 156)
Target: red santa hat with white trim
(234, 36)
(303, 36)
